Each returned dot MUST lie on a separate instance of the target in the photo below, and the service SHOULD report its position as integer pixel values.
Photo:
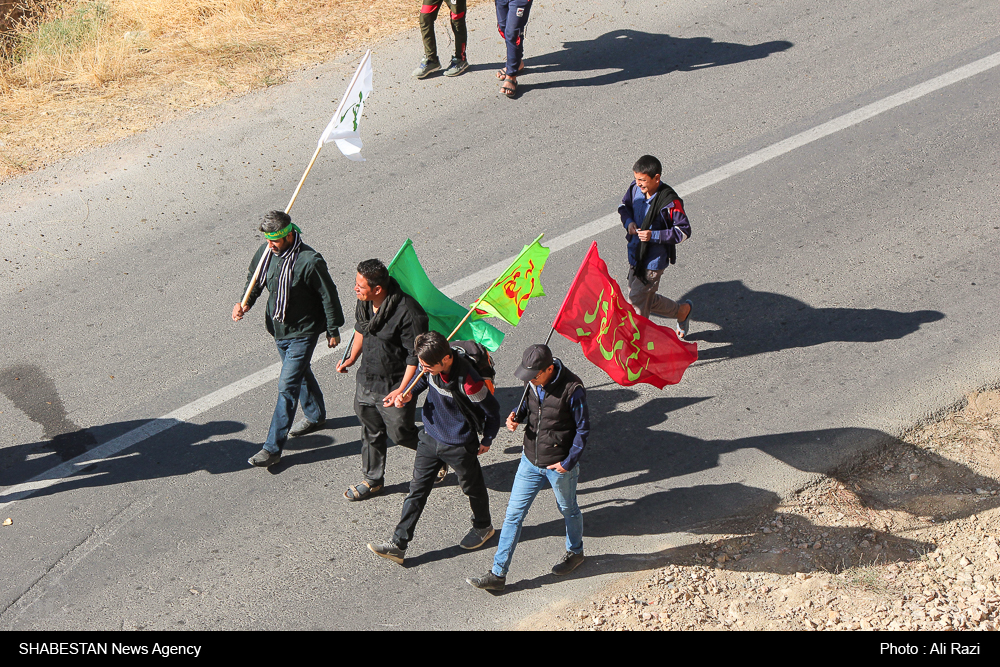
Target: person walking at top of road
(655, 223)
(387, 322)
(555, 435)
(303, 304)
(459, 405)
(512, 19)
(428, 15)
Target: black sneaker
(264, 459)
(426, 67)
(476, 537)
(388, 550)
(489, 582)
(457, 66)
(304, 426)
(569, 562)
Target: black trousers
(378, 424)
(428, 14)
(430, 455)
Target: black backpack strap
(468, 410)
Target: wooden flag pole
(303, 179)
(263, 257)
(340, 106)
(450, 336)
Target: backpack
(479, 358)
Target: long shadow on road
(634, 54)
(35, 394)
(180, 450)
(638, 499)
(753, 322)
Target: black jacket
(387, 343)
(313, 304)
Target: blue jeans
(512, 18)
(296, 384)
(529, 480)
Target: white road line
(484, 276)
(735, 167)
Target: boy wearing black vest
(654, 221)
(558, 423)
(459, 405)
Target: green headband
(282, 233)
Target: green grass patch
(63, 32)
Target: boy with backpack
(459, 405)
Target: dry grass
(85, 72)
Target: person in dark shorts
(655, 224)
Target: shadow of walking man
(753, 322)
(633, 54)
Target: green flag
(443, 313)
(507, 297)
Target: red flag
(627, 346)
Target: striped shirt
(444, 419)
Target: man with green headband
(303, 304)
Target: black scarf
(368, 320)
(664, 195)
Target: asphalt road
(842, 293)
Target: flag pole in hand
(450, 336)
(343, 129)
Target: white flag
(343, 129)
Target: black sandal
(501, 73)
(509, 87)
(362, 491)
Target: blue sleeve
(420, 386)
(625, 210)
(678, 227)
(581, 414)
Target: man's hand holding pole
(512, 423)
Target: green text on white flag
(343, 129)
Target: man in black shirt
(387, 321)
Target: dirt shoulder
(153, 61)
(907, 540)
